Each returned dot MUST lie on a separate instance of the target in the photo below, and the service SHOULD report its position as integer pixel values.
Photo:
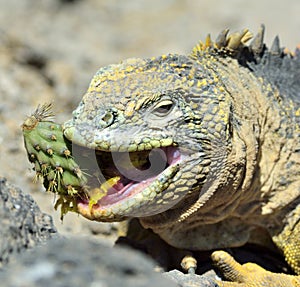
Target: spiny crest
(224, 42)
(235, 45)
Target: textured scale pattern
(224, 123)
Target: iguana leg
(289, 242)
(250, 274)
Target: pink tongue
(172, 154)
(116, 187)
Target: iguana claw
(249, 274)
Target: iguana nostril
(108, 118)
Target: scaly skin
(226, 119)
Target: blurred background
(50, 49)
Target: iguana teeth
(275, 48)
(257, 43)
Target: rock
(22, 224)
(192, 280)
(60, 261)
(81, 262)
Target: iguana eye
(163, 108)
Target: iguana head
(161, 125)
(164, 132)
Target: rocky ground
(49, 50)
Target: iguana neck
(271, 134)
(261, 143)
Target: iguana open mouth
(135, 170)
(120, 176)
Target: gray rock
(192, 280)
(22, 224)
(81, 262)
(25, 250)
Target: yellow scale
(96, 194)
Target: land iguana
(203, 148)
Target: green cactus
(51, 154)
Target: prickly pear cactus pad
(51, 154)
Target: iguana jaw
(135, 196)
